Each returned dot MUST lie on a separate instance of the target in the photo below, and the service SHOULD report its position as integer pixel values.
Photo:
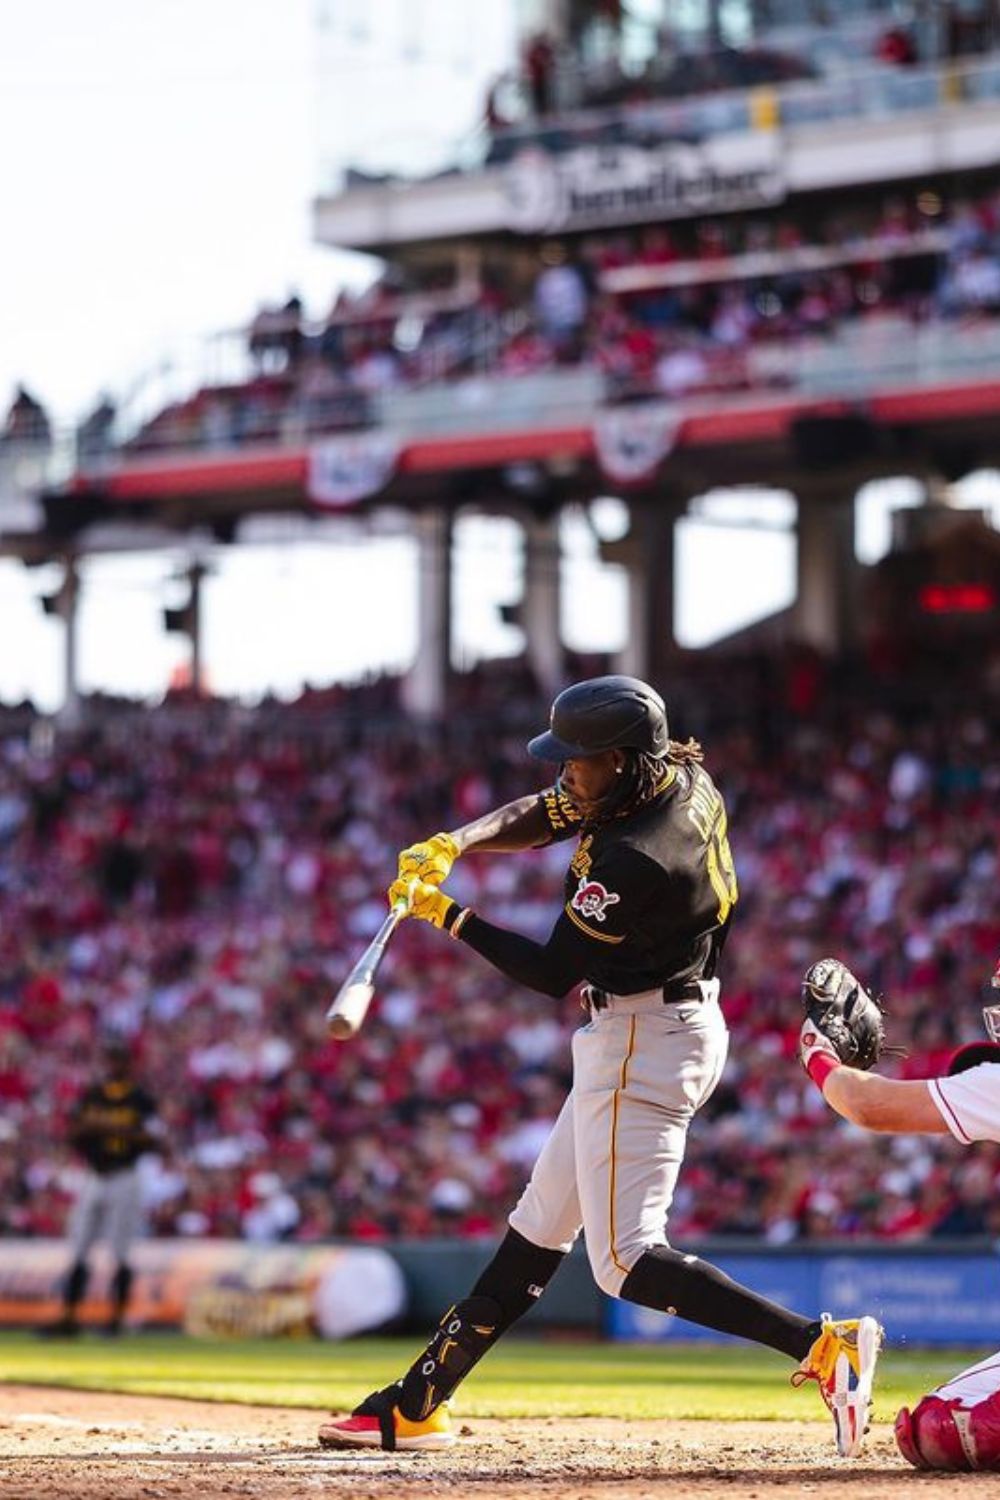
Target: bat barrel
(345, 1016)
(350, 1005)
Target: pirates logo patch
(593, 900)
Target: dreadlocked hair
(643, 779)
(648, 770)
(685, 753)
(647, 773)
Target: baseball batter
(649, 897)
(958, 1425)
(112, 1127)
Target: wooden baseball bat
(349, 1006)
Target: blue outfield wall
(938, 1298)
(930, 1292)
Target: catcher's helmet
(604, 713)
(971, 1055)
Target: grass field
(519, 1379)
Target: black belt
(688, 989)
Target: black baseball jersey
(648, 896)
(110, 1125)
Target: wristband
(456, 919)
(820, 1066)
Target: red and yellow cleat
(360, 1431)
(842, 1362)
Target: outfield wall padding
(932, 1293)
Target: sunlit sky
(159, 162)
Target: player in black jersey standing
(112, 1127)
(649, 897)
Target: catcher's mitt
(842, 1011)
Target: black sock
(76, 1285)
(694, 1289)
(512, 1282)
(121, 1286)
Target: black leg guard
(76, 1285)
(382, 1404)
(463, 1336)
(512, 1282)
(671, 1282)
(517, 1276)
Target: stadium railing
(865, 93)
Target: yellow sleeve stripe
(602, 937)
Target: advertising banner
(215, 1287)
(924, 1299)
(596, 186)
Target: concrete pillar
(68, 607)
(634, 657)
(541, 607)
(661, 520)
(425, 685)
(646, 553)
(824, 614)
(196, 575)
(628, 554)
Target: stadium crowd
(596, 71)
(198, 877)
(664, 311)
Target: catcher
(649, 897)
(958, 1425)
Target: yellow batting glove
(425, 902)
(430, 861)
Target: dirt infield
(57, 1444)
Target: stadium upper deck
(794, 283)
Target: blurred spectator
(202, 875)
(95, 434)
(27, 423)
(275, 340)
(972, 26)
(719, 306)
(895, 46)
(539, 62)
(560, 300)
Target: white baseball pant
(641, 1069)
(109, 1206)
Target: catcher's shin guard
(943, 1434)
(930, 1438)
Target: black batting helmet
(604, 713)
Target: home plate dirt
(56, 1444)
